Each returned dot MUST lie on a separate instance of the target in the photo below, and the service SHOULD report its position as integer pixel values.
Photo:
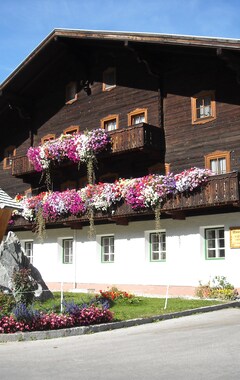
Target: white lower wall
(185, 263)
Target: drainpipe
(75, 258)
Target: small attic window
(109, 79)
(71, 92)
(203, 107)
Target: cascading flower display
(59, 204)
(31, 205)
(77, 148)
(149, 191)
(101, 196)
(140, 193)
(188, 180)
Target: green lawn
(123, 309)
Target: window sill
(203, 120)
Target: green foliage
(125, 309)
(220, 288)
(6, 304)
(23, 286)
(116, 295)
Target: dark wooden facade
(156, 73)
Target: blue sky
(25, 23)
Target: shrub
(25, 314)
(100, 302)
(72, 308)
(114, 294)
(219, 288)
(6, 303)
(23, 286)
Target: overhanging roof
(125, 37)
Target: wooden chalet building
(168, 103)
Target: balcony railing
(138, 137)
(21, 166)
(220, 191)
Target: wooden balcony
(21, 166)
(220, 194)
(221, 190)
(141, 137)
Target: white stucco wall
(185, 263)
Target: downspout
(75, 258)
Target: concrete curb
(74, 331)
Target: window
(110, 123)
(138, 116)
(109, 79)
(71, 92)
(71, 130)
(158, 246)
(218, 162)
(203, 107)
(107, 249)
(9, 153)
(28, 250)
(67, 251)
(215, 243)
(47, 138)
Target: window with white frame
(203, 107)
(28, 250)
(157, 246)
(215, 243)
(110, 123)
(67, 245)
(107, 249)
(218, 162)
(137, 116)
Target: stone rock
(12, 258)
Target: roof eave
(164, 39)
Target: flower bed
(52, 321)
(115, 294)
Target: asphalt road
(203, 346)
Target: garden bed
(81, 309)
